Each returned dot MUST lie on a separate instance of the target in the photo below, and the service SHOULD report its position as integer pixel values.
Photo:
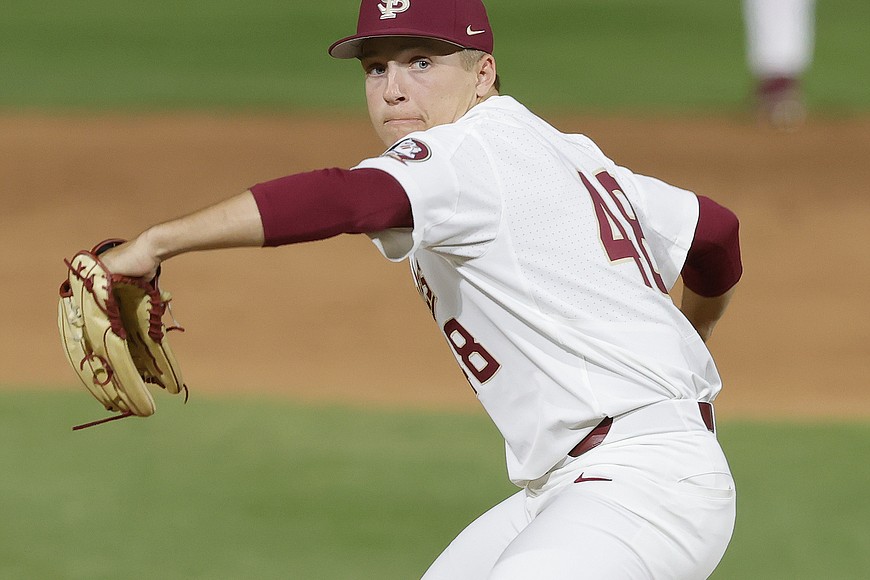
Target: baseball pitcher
(546, 266)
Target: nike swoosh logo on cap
(471, 32)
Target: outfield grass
(258, 489)
(236, 489)
(559, 55)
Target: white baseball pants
(654, 501)
(780, 36)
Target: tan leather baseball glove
(112, 331)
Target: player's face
(413, 84)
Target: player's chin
(392, 131)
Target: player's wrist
(155, 244)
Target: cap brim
(351, 47)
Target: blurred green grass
(231, 488)
(558, 55)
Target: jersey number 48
(613, 232)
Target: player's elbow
(713, 264)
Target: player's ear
(486, 74)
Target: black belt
(597, 435)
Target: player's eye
(375, 70)
(421, 63)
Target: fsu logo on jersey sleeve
(409, 150)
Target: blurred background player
(779, 49)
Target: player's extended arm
(713, 267)
(234, 222)
(297, 208)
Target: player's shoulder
(508, 111)
(442, 142)
(584, 146)
(583, 142)
(499, 121)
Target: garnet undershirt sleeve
(713, 264)
(324, 203)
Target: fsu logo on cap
(390, 8)
(409, 150)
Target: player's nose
(393, 90)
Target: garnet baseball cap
(460, 22)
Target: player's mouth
(403, 121)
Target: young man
(546, 266)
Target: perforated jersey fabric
(547, 267)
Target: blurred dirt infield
(335, 321)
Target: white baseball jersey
(547, 268)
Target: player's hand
(135, 259)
